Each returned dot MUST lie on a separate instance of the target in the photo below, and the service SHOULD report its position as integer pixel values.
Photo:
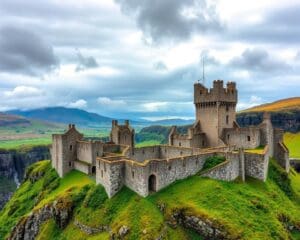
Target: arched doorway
(152, 183)
(93, 169)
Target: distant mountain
(282, 105)
(285, 114)
(13, 120)
(174, 121)
(65, 115)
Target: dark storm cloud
(85, 62)
(258, 60)
(172, 19)
(278, 26)
(23, 51)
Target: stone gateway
(118, 163)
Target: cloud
(153, 106)
(25, 52)
(80, 103)
(23, 92)
(258, 59)
(105, 101)
(278, 25)
(85, 62)
(172, 19)
(160, 66)
(253, 101)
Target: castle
(148, 169)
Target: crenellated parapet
(217, 94)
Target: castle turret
(215, 108)
(122, 134)
(63, 150)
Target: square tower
(215, 109)
(122, 134)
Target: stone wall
(173, 152)
(111, 148)
(87, 151)
(182, 141)
(64, 150)
(242, 137)
(136, 178)
(82, 167)
(281, 153)
(164, 171)
(145, 153)
(110, 175)
(256, 165)
(228, 170)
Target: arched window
(227, 119)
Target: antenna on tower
(203, 70)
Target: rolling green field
(251, 210)
(39, 134)
(292, 141)
(148, 143)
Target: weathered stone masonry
(144, 170)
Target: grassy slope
(281, 105)
(250, 209)
(292, 141)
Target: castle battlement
(218, 93)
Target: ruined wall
(165, 172)
(87, 151)
(82, 167)
(57, 153)
(242, 137)
(281, 153)
(267, 133)
(173, 152)
(227, 171)
(110, 175)
(136, 178)
(181, 141)
(111, 148)
(199, 141)
(145, 153)
(256, 165)
(122, 134)
(192, 140)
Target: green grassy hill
(251, 210)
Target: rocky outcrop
(289, 121)
(90, 230)
(4, 197)
(205, 227)
(28, 227)
(13, 164)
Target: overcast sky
(140, 58)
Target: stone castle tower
(215, 109)
(122, 134)
(64, 150)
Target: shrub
(96, 197)
(280, 177)
(79, 197)
(213, 161)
